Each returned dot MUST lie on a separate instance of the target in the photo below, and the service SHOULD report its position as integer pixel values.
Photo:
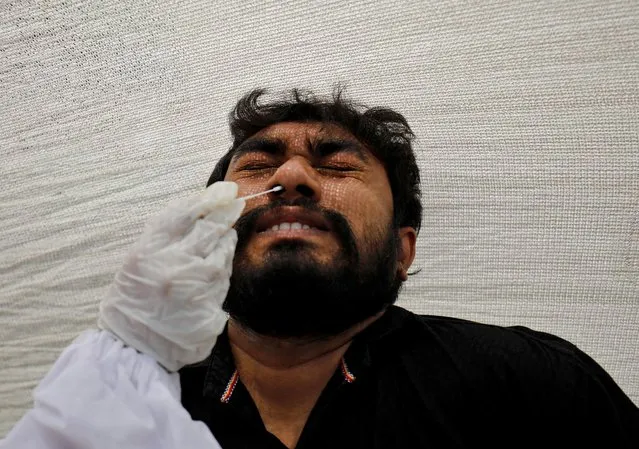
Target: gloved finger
(217, 195)
(220, 261)
(174, 216)
(218, 216)
(196, 239)
(174, 272)
(178, 218)
(213, 246)
(187, 283)
(158, 268)
(153, 240)
(201, 237)
(226, 214)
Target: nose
(298, 178)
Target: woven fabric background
(527, 120)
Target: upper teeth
(293, 226)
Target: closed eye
(253, 166)
(342, 168)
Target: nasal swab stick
(274, 189)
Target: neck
(283, 355)
(285, 377)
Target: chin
(293, 253)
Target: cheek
(368, 210)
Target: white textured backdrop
(527, 122)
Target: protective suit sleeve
(101, 394)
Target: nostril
(305, 190)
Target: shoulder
(499, 353)
(479, 352)
(538, 364)
(516, 367)
(490, 342)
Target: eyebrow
(270, 146)
(327, 147)
(318, 148)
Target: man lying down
(314, 353)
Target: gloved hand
(166, 300)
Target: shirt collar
(221, 367)
(221, 377)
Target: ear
(406, 253)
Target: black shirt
(411, 381)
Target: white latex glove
(166, 300)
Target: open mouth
(291, 218)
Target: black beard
(293, 296)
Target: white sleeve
(103, 395)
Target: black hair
(385, 132)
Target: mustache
(246, 224)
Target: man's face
(324, 163)
(313, 251)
